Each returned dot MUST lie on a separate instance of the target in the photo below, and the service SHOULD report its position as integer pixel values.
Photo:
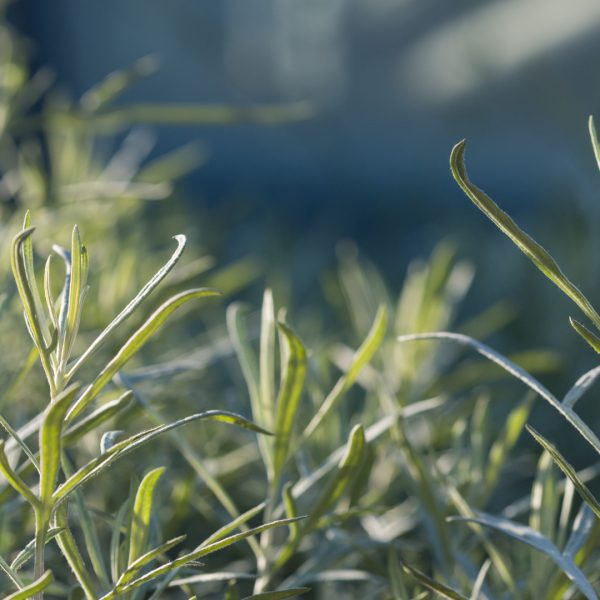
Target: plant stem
(41, 529)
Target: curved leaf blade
(362, 357)
(536, 253)
(289, 396)
(39, 585)
(142, 511)
(100, 463)
(200, 552)
(568, 470)
(148, 288)
(536, 540)
(565, 411)
(50, 441)
(134, 343)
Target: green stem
(41, 530)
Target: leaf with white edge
(68, 546)
(289, 396)
(109, 439)
(33, 319)
(27, 250)
(148, 557)
(142, 512)
(431, 584)
(132, 306)
(234, 524)
(586, 334)
(97, 418)
(197, 554)
(267, 361)
(536, 253)
(50, 304)
(29, 591)
(100, 463)
(68, 328)
(347, 468)
(594, 139)
(536, 540)
(582, 528)
(50, 440)
(581, 386)
(565, 411)
(279, 595)
(361, 358)
(17, 438)
(24, 555)
(15, 481)
(12, 574)
(567, 469)
(134, 344)
(478, 586)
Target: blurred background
(378, 91)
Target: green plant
(45, 477)
(568, 543)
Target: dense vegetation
(278, 460)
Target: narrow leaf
(70, 551)
(100, 463)
(581, 386)
(32, 317)
(566, 412)
(568, 470)
(98, 417)
(291, 510)
(142, 511)
(536, 253)
(14, 480)
(50, 441)
(69, 328)
(586, 334)
(132, 306)
(347, 468)
(147, 558)
(431, 584)
(361, 358)
(27, 250)
(200, 552)
(133, 345)
(12, 574)
(50, 304)
(17, 438)
(39, 585)
(267, 361)
(594, 139)
(234, 524)
(536, 540)
(27, 553)
(289, 396)
(582, 527)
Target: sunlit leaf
(536, 253)
(142, 511)
(29, 591)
